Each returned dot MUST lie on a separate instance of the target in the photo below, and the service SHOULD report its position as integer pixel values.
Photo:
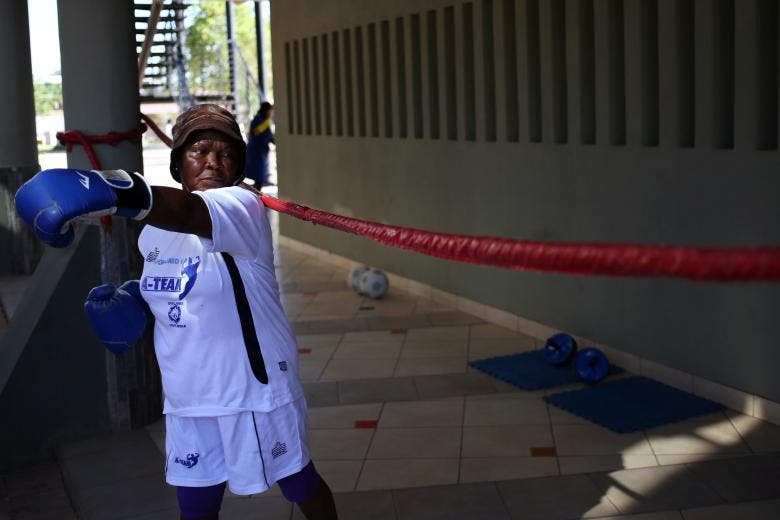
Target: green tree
(206, 52)
(48, 97)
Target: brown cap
(205, 117)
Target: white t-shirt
(198, 332)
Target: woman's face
(210, 160)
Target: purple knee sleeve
(196, 502)
(300, 486)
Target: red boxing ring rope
(706, 264)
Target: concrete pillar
(19, 251)
(100, 80)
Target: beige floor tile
(310, 369)
(760, 435)
(336, 297)
(654, 488)
(662, 515)
(714, 434)
(422, 413)
(491, 347)
(388, 309)
(687, 458)
(329, 310)
(343, 416)
(524, 410)
(395, 474)
(339, 444)
(369, 350)
(340, 369)
(505, 440)
(759, 510)
(491, 469)
(489, 330)
(458, 332)
(316, 351)
(571, 465)
(415, 443)
(590, 439)
(341, 475)
(373, 335)
(429, 306)
(317, 340)
(423, 349)
(558, 416)
(430, 366)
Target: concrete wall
(629, 121)
(56, 388)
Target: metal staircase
(159, 36)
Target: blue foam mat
(632, 404)
(530, 370)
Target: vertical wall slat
(448, 99)
(676, 102)
(298, 87)
(360, 79)
(316, 84)
(553, 70)
(641, 41)
(289, 80)
(307, 101)
(401, 46)
(415, 76)
(327, 82)
(338, 84)
(580, 63)
(385, 91)
(373, 81)
(506, 27)
(349, 97)
(714, 61)
(488, 69)
(469, 70)
(610, 72)
(755, 75)
(432, 74)
(530, 71)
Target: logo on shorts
(279, 449)
(190, 461)
(152, 256)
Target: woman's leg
(200, 503)
(307, 489)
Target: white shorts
(249, 450)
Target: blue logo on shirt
(190, 461)
(190, 273)
(174, 312)
(161, 283)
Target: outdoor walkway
(402, 428)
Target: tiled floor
(397, 408)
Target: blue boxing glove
(118, 316)
(52, 198)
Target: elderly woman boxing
(234, 406)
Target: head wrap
(205, 117)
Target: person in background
(259, 138)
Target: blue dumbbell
(559, 349)
(591, 364)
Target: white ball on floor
(353, 279)
(374, 283)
